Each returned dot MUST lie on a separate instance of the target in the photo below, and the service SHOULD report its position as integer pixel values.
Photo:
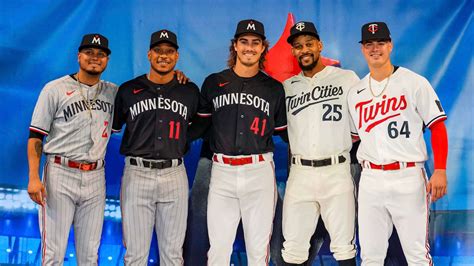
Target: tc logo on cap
(300, 26)
(96, 39)
(164, 34)
(373, 28)
(251, 26)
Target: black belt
(154, 164)
(318, 163)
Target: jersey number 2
(104, 133)
(332, 112)
(256, 128)
(174, 133)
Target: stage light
(109, 257)
(8, 250)
(151, 260)
(30, 252)
(71, 255)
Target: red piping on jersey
(116, 131)
(281, 128)
(37, 130)
(439, 143)
(204, 115)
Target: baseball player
(74, 112)
(246, 107)
(390, 107)
(154, 193)
(320, 182)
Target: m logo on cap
(164, 34)
(373, 28)
(300, 26)
(96, 39)
(251, 26)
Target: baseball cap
(375, 31)
(300, 28)
(250, 26)
(95, 40)
(163, 36)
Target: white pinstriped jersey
(317, 113)
(62, 115)
(391, 125)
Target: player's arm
(438, 184)
(203, 118)
(281, 127)
(181, 77)
(36, 190)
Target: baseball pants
(154, 199)
(310, 192)
(246, 192)
(394, 198)
(72, 197)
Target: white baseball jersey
(390, 125)
(62, 114)
(317, 112)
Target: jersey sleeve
(428, 105)
(196, 100)
(280, 114)
(119, 114)
(45, 110)
(205, 103)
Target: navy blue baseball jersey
(245, 112)
(157, 117)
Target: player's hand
(36, 191)
(182, 79)
(438, 185)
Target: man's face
(163, 58)
(307, 50)
(377, 52)
(93, 61)
(249, 48)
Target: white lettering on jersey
(159, 103)
(372, 114)
(243, 99)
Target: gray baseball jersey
(61, 113)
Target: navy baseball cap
(375, 31)
(302, 28)
(95, 40)
(163, 36)
(250, 26)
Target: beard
(310, 66)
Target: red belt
(239, 160)
(77, 165)
(391, 166)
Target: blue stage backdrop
(39, 41)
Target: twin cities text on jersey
(374, 113)
(160, 103)
(243, 99)
(319, 94)
(81, 106)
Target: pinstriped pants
(154, 199)
(73, 197)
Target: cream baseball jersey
(316, 110)
(389, 116)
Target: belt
(318, 163)
(155, 164)
(388, 167)
(238, 160)
(89, 166)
